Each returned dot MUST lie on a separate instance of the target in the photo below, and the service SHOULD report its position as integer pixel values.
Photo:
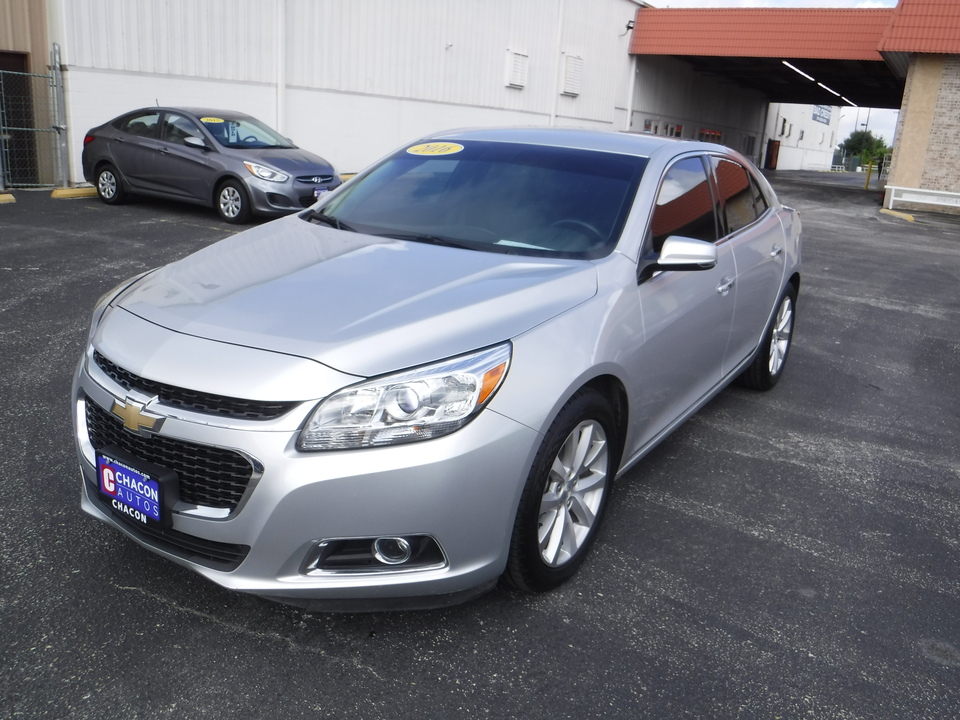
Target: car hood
(293, 161)
(358, 304)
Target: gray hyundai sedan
(222, 159)
(432, 378)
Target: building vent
(572, 74)
(518, 67)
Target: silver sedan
(431, 379)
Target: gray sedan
(431, 380)
(224, 159)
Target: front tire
(109, 186)
(565, 495)
(767, 367)
(233, 203)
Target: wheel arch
(611, 387)
(218, 183)
(103, 162)
(795, 281)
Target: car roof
(213, 112)
(583, 139)
(198, 112)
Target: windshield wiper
(319, 218)
(433, 240)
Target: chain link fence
(30, 153)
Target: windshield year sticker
(211, 120)
(436, 148)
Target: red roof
(924, 26)
(832, 34)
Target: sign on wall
(821, 113)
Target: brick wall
(927, 151)
(942, 164)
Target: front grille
(209, 553)
(193, 400)
(315, 179)
(209, 476)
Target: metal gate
(32, 131)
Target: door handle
(777, 249)
(725, 284)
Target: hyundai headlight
(266, 173)
(419, 404)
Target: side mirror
(195, 142)
(679, 253)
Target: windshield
(499, 197)
(243, 132)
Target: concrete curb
(7, 198)
(903, 216)
(69, 193)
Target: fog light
(387, 554)
(391, 550)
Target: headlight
(265, 173)
(418, 404)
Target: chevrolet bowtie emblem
(134, 418)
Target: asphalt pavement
(790, 554)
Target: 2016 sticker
(435, 148)
(211, 120)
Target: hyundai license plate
(138, 491)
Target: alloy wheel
(573, 494)
(230, 202)
(107, 185)
(780, 337)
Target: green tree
(866, 145)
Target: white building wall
(669, 93)
(348, 79)
(805, 143)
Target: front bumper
(273, 199)
(461, 490)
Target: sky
(882, 122)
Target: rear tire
(109, 185)
(767, 367)
(565, 495)
(232, 202)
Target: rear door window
(740, 197)
(139, 124)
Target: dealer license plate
(137, 490)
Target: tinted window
(177, 128)
(684, 204)
(507, 197)
(741, 198)
(141, 124)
